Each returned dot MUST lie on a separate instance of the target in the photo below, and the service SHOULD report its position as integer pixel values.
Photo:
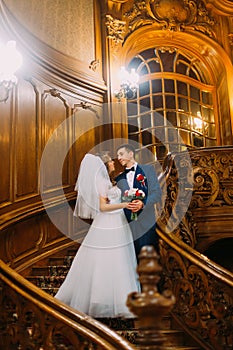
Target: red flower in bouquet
(133, 194)
(141, 179)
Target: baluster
(150, 306)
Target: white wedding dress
(103, 271)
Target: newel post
(150, 306)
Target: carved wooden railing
(203, 290)
(198, 180)
(32, 319)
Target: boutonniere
(141, 179)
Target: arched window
(173, 108)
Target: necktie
(130, 169)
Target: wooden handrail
(25, 308)
(196, 258)
(203, 289)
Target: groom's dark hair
(128, 147)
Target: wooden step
(56, 261)
(174, 339)
(46, 281)
(171, 336)
(128, 329)
(59, 260)
(51, 270)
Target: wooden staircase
(49, 275)
(176, 339)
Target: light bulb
(10, 60)
(134, 77)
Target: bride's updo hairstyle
(105, 157)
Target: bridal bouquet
(132, 194)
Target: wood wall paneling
(27, 126)
(6, 140)
(57, 75)
(29, 240)
(55, 133)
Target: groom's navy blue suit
(143, 229)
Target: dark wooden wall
(50, 120)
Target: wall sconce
(10, 61)
(128, 84)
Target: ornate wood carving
(203, 303)
(32, 319)
(178, 15)
(27, 325)
(213, 178)
(203, 292)
(178, 191)
(116, 30)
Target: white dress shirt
(130, 176)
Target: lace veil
(93, 181)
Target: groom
(144, 178)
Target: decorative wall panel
(5, 150)
(54, 114)
(33, 239)
(60, 72)
(23, 231)
(26, 145)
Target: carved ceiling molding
(224, 7)
(173, 15)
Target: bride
(103, 271)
